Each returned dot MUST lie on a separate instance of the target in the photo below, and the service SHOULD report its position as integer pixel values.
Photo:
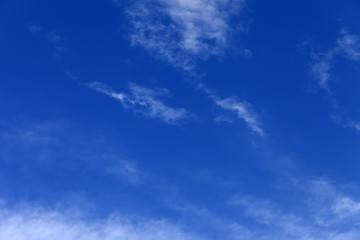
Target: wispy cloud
(33, 28)
(57, 40)
(347, 46)
(315, 210)
(354, 125)
(339, 118)
(145, 101)
(54, 145)
(215, 225)
(58, 43)
(126, 170)
(52, 36)
(321, 212)
(183, 31)
(320, 69)
(39, 224)
(243, 110)
(345, 206)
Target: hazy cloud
(145, 101)
(183, 31)
(347, 46)
(38, 224)
(320, 212)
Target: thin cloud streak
(243, 110)
(145, 101)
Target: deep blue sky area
(181, 119)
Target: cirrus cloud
(144, 101)
(182, 31)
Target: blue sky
(179, 119)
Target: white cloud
(243, 110)
(345, 206)
(144, 101)
(264, 220)
(320, 212)
(320, 70)
(354, 125)
(35, 224)
(345, 122)
(183, 31)
(347, 46)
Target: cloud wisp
(347, 46)
(182, 31)
(52, 36)
(354, 125)
(243, 110)
(58, 43)
(145, 101)
(57, 145)
(39, 224)
(323, 213)
(346, 122)
(320, 211)
(126, 170)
